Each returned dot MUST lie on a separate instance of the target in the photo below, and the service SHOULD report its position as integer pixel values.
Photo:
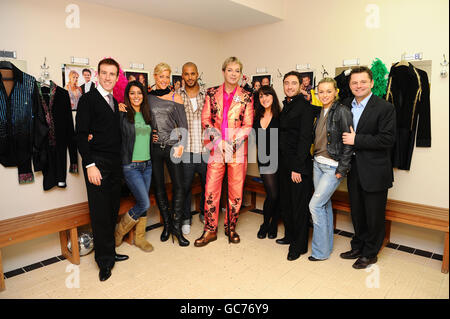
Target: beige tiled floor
(252, 269)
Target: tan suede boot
(140, 241)
(125, 225)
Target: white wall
(327, 32)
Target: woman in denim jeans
(136, 164)
(331, 164)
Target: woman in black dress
(266, 123)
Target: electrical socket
(302, 66)
(261, 70)
(137, 66)
(350, 62)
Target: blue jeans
(138, 176)
(325, 183)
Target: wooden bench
(66, 219)
(398, 211)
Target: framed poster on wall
(260, 80)
(177, 81)
(307, 83)
(141, 76)
(74, 79)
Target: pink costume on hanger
(229, 116)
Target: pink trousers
(213, 189)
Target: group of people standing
(206, 132)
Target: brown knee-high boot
(125, 225)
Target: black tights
(270, 207)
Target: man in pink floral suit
(227, 118)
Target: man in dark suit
(372, 136)
(87, 81)
(295, 166)
(99, 143)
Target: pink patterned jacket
(240, 119)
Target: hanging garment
(23, 129)
(56, 104)
(409, 91)
(342, 81)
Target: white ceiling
(212, 15)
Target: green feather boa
(380, 77)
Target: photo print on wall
(75, 79)
(307, 84)
(141, 76)
(260, 80)
(177, 81)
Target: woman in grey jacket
(169, 124)
(331, 165)
(136, 164)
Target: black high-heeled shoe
(165, 233)
(273, 230)
(176, 231)
(262, 232)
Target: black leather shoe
(105, 273)
(364, 262)
(293, 256)
(118, 257)
(351, 254)
(283, 241)
(311, 258)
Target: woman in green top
(136, 164)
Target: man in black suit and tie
(98, 116)
(371, 175)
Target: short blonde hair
(161, 67)
(231, 59)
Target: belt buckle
(162, 146)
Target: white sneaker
(186, 229)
